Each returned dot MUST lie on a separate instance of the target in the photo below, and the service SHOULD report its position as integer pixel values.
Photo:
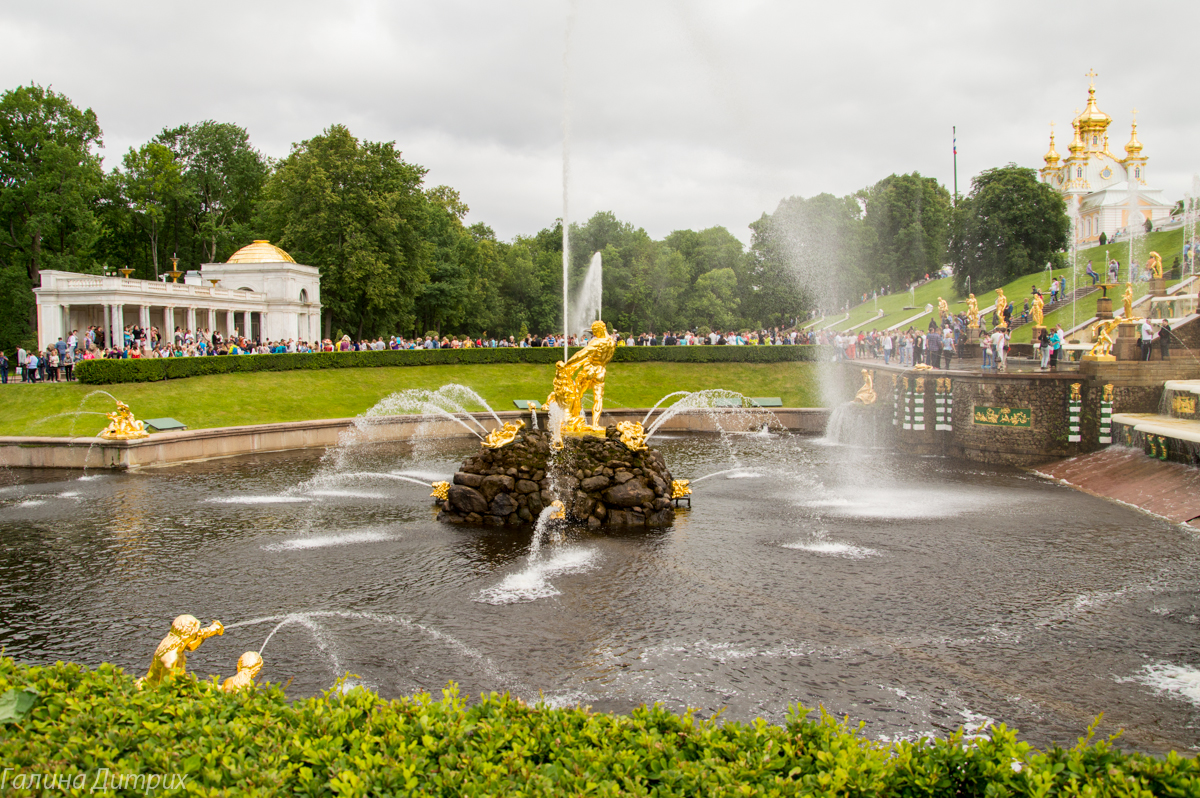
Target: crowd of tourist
(57, 362)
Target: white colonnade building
(260, 293)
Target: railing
(90, 283)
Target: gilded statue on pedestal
(1155, 265)
(1035, 312)
(170, 658)
(123, 426)
(248, 666)
(1108, 392)
(680, 488)
(1127, 301)
(584, 371)
(972, 312)
(441, 491)
(1001, 303)
(943, 308)
(866, 394)
(1102, 338)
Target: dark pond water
(914, 595)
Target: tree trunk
(35, 274)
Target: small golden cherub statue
(1075, 392)
(1108, 392)
(123, 426)
(170, 658)
(972, 312)
(560, 511)
(584, 371)
(1155, 265)
(1127, 301)
(866, 394)
(441, 491)
(680, 488)
(1035, 311)
(503, 436)
(632, 435)
(248, 666)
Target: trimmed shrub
(107, 372)
(94, 729)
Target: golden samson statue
(1155, 265)
(584, 371)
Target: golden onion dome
(1076, 146)
(1092, 120)
(1052, 154)
(260, 251)
(1134, 148)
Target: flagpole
(954, 133)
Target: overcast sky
(681, 114)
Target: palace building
(260, 292)
(1100, 188)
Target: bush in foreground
(107, 372)
(89, 725)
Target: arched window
(1137, 172)
(1079, 171)
(304, 295)
(1095, 140)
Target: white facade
(267, 300)
(1107, 193)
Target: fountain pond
(915, 595)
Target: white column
(262, 326)
(168, 330)
(66, 322)
(144, 319)
(246, 328)
(212, 321)
(118, 326)
(228, 323)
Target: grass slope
(266, 397)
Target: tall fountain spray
(588, 301)
(572, 11)
(1133, 216)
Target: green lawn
(265, 397)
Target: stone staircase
(1050, 307)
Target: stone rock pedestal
(1158, 286)
(1104, 308)
(1037, 333)
(600, 482)
(1125, 344)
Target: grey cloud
(684, 114)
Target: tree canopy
(1009, 225)
(398, 257)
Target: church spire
(1051, 157)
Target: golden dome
(1134, 148)
(1052, 155)
(260, 251)
(1076, 146)
(1092, 120)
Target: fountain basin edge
(168, 448)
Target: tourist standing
(1044, 345)
(1145, 342)
(985, 347)
(887, 348)
(999, 339)
(68, 365)
(21, 357)
(1164, 340)
(3, 368)
(1056, 342)
(933, 348)
(31, 367)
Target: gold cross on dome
(1091, 73)
(1135, 115)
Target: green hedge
(105, 372)
(91, 727)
